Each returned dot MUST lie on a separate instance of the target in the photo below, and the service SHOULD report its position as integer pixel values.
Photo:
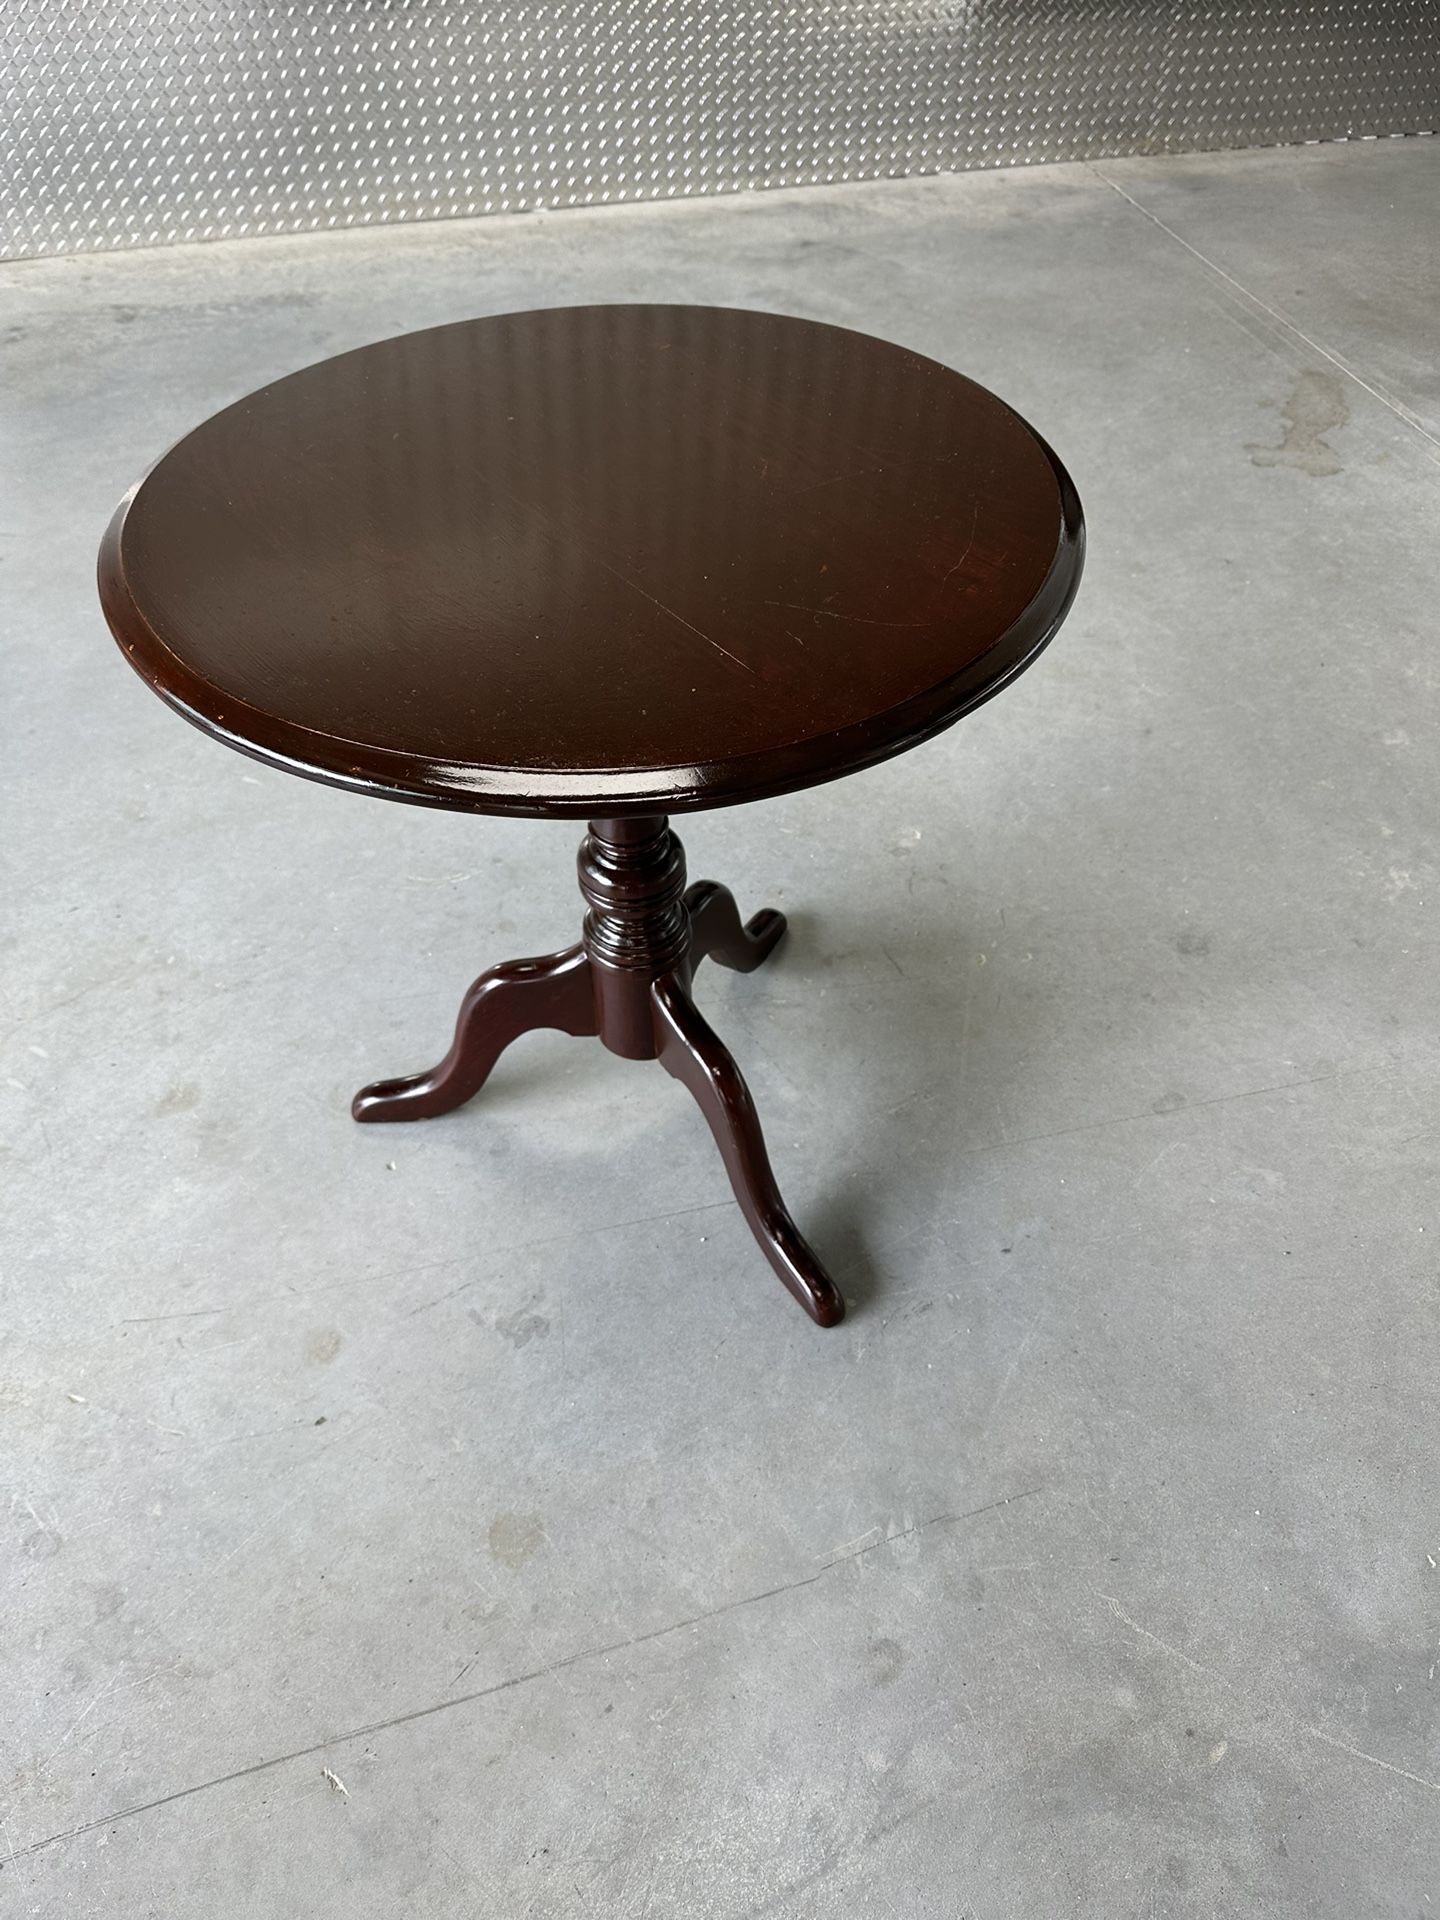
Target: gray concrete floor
(1091, 1567)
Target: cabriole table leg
(514, 998)
(628, 983)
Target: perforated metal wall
(141, 122)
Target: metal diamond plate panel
(144, 122)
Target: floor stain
(522, 1327)
(1317, 406)
(516, 1538)
(887, 1657)
(178, 1099)
(322, 1345)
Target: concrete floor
(1091, 1568)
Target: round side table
(608, 563)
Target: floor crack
(515, 1680)
(1397, 407)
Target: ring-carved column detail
(632, 874)
(628, 982)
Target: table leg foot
(505, 1002)
(691, 1051)
(717, 932)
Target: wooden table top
(595, 560)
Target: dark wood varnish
(514, 998)
(608, 563)
(717, 932)
(628, 982)
(595, 560)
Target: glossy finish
(629, 983)
(514, 998)
(595, 561)
(602, 561)
(717, 932)
(690, 1050)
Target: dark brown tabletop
(595, 560)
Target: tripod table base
(627, 983)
